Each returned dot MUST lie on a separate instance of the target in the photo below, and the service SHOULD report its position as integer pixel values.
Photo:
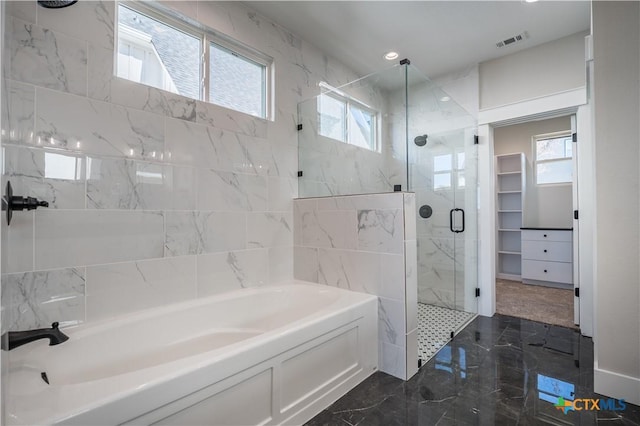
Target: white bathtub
(270, 355)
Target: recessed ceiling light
(390, 56)
(445, 99)
(530, 1)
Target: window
(155, 54)
(347, 120)
(236, 82)
(554, 154)
(448, 170)
(177, 57)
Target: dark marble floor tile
(447, 421)
(514, 338)
(539, 411)
(632, 414)
(463, 415)
(583, 419)
(629, 416)
(506, 356)
(326, 418)
(434, 386)
(370, 392)
(526, 327)
(571, 338)
(497, 371)
(475, 345)
(400, 411)
(352, 408)
(346, 417)
(484, 331)
(503, 321)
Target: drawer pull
(545, 250)
(545, 235)
(545, 271)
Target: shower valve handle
(27, 203)
(12, 202)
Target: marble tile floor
(491, 373)
(435, 325)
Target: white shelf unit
(510, 196)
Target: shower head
(420, 140)
(59, 4)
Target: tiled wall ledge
(366, 243)
(154, 197)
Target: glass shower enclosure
(397, 130)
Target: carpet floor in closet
(535, 303)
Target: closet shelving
(510, 191)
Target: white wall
(548, 205)
(543, 70)
(616, 94)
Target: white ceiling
(437, 36)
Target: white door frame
(576, 223)
(559, 104)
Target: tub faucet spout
(13, 339)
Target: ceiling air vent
(512, 40)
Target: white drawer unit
(539, 270)
(547, 257)
(546, 235)
(553, 251)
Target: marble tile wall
(154, 197)
(366, 243)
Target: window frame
(206, 36)
(545, 136)
(348, 101)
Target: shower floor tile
(435, 325)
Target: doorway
(534, 179)
(573, 102)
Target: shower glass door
(443, 173)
